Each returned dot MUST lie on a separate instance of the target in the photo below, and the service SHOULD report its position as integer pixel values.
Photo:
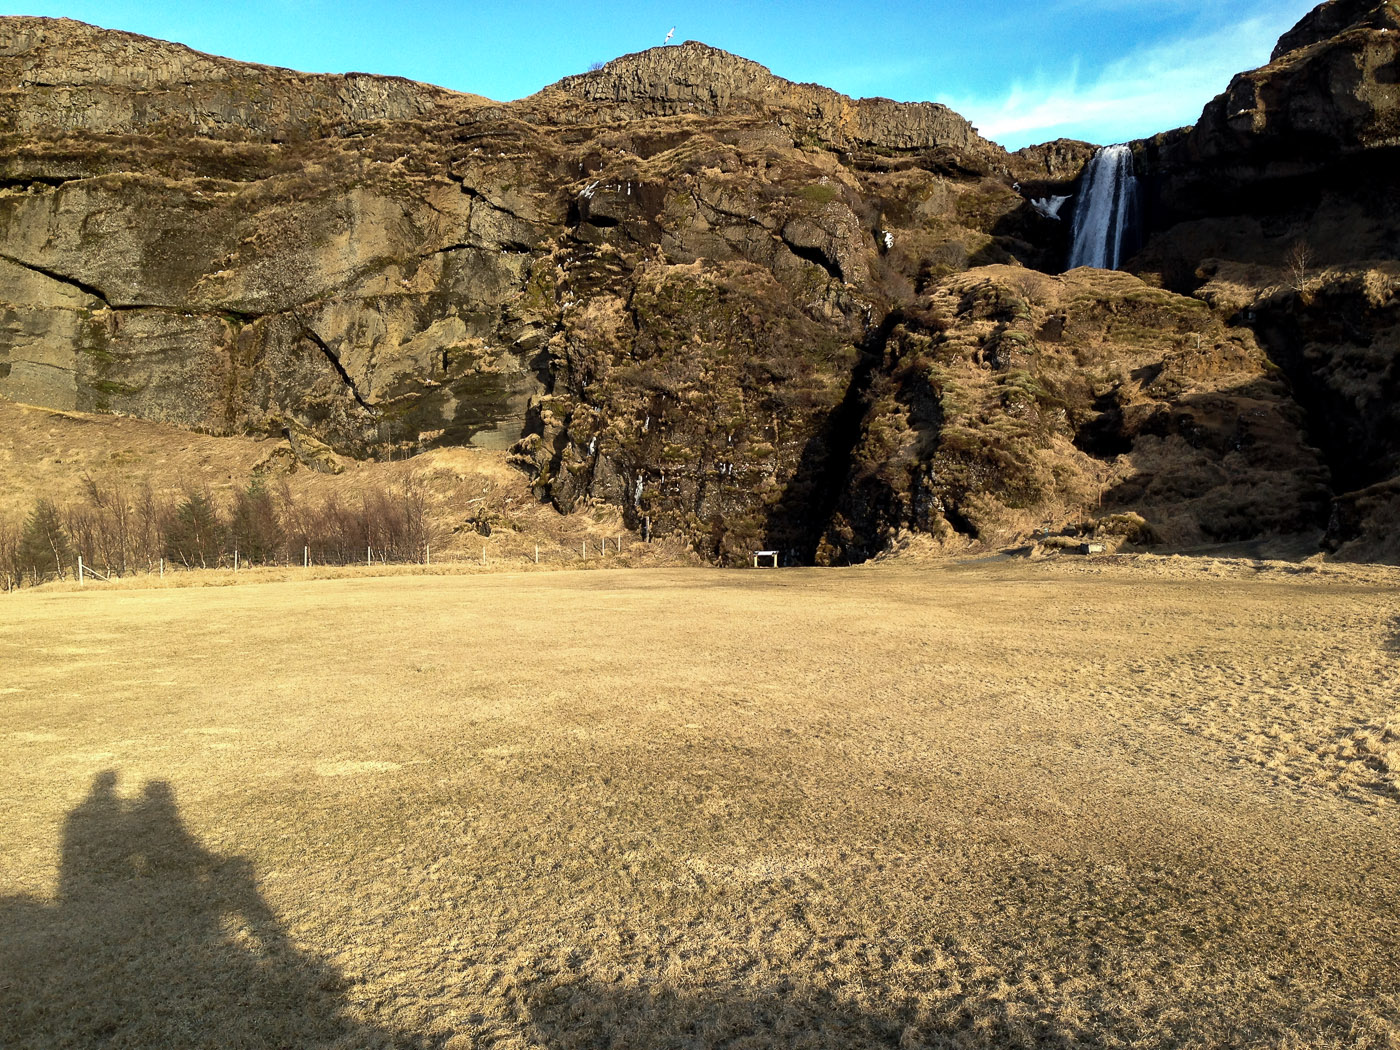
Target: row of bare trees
(118, 530)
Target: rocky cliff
(1278, 209)
(750, 312)
(61, 74)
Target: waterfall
(1106, 217)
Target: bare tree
(148, 538)
(1299, 262)
(111, 524)
(9, 555)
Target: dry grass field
(1147, 803)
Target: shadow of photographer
(154, 941)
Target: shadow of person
(154, 941)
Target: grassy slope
(998, 805)
(49, 453)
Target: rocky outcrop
(1010, 403)
(1329, 97)
(58, 73)
(694, 79)
(1276, 208)
(1338, 94)
(1331, 19)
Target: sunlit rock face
(679, 284)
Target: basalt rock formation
(751, 312)
(1278, 209)
(1007, 400)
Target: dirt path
(995, 805)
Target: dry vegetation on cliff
(119, 484)
(742, 311)
(995, 806)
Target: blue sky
(1023, 71)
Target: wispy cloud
(1145, 91)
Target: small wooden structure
(765, 554)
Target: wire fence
(85, 568)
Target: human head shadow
(153, 940)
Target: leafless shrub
(117, 531)
(108, 521)
(1299, 262)
(148, 538)
(9, 555)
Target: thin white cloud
(1146, 91)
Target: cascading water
(1105, 226)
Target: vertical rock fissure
(840, 436)
(1332, 424)
(334, 359)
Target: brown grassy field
(1146, 803)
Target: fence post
(369, 555)
(305, 557)
(537, 554)
(80, 570)
(585, 550)
(162, 568)
(235, 559)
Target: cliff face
(751, 312)
(61, 74)
(232, 247)
(694, 79)
(1277, 208)
(385, 264)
